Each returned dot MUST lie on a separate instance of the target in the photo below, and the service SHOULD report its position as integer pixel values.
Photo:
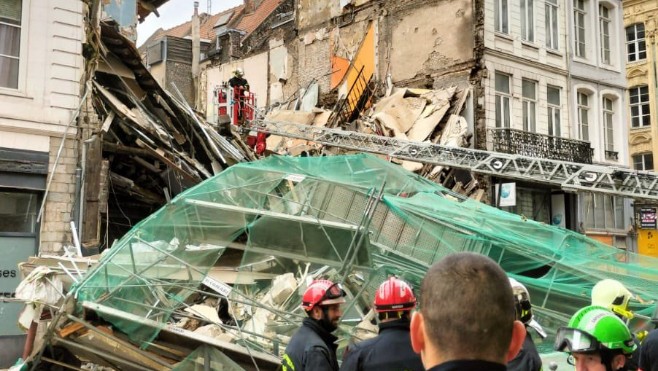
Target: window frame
(529, 105)
(552, 24)
(583, 110)
(501, 16)
(580, 46)
(503, 118)
(643, 160)
(554, 111)
(605, 27)
(636, 42)
(608, 122)
(641, 106)
(22, 45)
(527, 9)
(608, 206)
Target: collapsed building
(219, 271)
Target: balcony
(525, 143)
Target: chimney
(249, 6)
(196, 45)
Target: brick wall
(55, 221)
(181, 75)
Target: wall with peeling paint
(431, 38)
(310, 13)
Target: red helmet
(322, 292)
(394, 295)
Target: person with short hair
(466, 319)
(391, 349)
(596, 340)
(313, 346)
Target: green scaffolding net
(278, 223)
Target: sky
(175, 12)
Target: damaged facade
(91, 144)
(528, 92)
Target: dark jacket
(468, 366)
(237, 81)
(528, 358)
(311, 348)
(649, 352)
(389, 351)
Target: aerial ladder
(569, 176)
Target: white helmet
(613, 295)
(238, 72)
(524, 307)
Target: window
(18, 212)
(602, 211)
(639, 99)
(604, 23)
(579, 27)
(502, 101)
(10, 42)
(583, 116)
(529, 90)
(501, 15)
(553, 100)
(643, 161)
(527, 20)
(635, 44)
(551, 25)
(608, 115)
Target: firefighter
(391, 349)
(466, 319)
(528, 358)
(238, 79)
(313, 346)
(614, 296)
(596, 340)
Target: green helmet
(594, 328)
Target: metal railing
(525, 143)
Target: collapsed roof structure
(221, 268)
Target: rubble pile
(417, 115)
(151, 144)
(216, 276)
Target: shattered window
(10, 42)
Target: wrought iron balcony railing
(538, 145)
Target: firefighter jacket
(528, 358)
(648, 352)
(311, 348)
(389, 351)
